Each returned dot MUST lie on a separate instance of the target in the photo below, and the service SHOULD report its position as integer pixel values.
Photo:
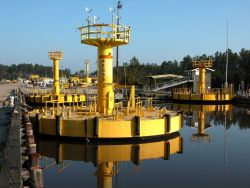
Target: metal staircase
(171, 83)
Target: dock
(10, 164)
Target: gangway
(171, 83)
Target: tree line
(137, 72)
(238, 69)
(23, 70)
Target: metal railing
(138, 105)
(118, 110)
(56, 55)
(171, 83)
(202, 63)
(93, 104)
(149, 104)
(207, 91)
(105, 31)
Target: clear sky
(161, 29)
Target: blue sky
(161, 29)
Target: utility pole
(119, 6)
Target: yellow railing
(54, 103)
(182, 90)
(138, 105)
(202, 63)
(41, 91)
(117, 110)
(55, 55)
(149, 104)
(93, 104)
(105, 31)
(207, 91)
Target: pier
(10, 164)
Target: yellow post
(132, 96)
(87, 80)
(202, 80)
(105, 96)
(56, 77)
(104, 175)
(56, 56)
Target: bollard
(28, 127)
(30, 132)
(35, 159)
(32, 148)
(31, 139)
(37, 176)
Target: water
(212, 150)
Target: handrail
(97, 31)
(118, 109)
(93, 104)
(207, 91)
(159, 86)
(149, 103)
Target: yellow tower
(202, 65)
(56, 56)
(105, 37)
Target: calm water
(212, 150)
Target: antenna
(112, 10)
(95, 19)
(88, 19)
(119, 5)
(88, 10)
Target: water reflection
(221, 133)
(200, 117)
(108, 158)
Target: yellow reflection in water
(108, 158)
(198, 116)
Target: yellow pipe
(56, 77)
(105, 98)
(202, 80)
(132, 96)
(104, 175)
(87, 71)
